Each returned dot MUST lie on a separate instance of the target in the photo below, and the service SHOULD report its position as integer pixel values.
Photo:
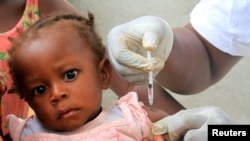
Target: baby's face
(61, 78)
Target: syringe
(150, 83)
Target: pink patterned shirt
(127, 121)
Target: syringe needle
(150, 94)
(150, 83)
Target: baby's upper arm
(155, 114)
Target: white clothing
(225, 24)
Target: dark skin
(164, 100)
(170, 105)
(194, 64)
(173, 77)
(201, 70)
(12, 10)
(62, 90)
(15, 9)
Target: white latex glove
(127, 45)
(191, 123)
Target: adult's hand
(191, 123)
(128, 45)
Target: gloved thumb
(158, 39)
(150, 41)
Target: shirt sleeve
(225, 24)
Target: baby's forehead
(59, 32)
(51, 38)
(63, 27)
(50, 48)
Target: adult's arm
(193, 64)
(162, 99)
(51, 6)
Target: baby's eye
(70, 75)
(39, 90)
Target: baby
(60, 68)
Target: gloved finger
(196, 135)
(119, 61)
(123, 50)
(125, 70)
(134, 60)
(183, 123)
(151, 40)
(137, 76)
(131, 54)
(132, 75)
(216, 116)
(156, 65)
(177, 125)
(136, 79)
(158, 39)
(154, 31)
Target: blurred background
(231, 94)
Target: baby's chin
(64, 127)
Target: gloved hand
(128, 43)
(191, 123)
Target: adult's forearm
(187, 69)
(194, 64)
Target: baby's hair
(85, 28)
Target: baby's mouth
(67, 113)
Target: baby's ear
(106, 71)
